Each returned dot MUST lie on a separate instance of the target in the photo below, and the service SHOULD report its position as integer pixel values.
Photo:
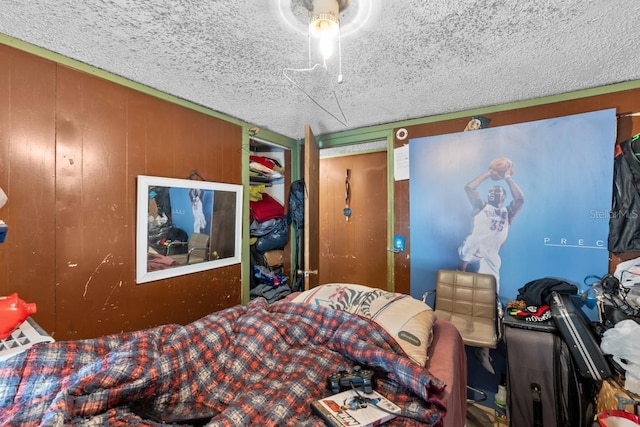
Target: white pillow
(408, 320)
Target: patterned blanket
(257, 364)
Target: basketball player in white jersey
(199, 220)
(491, 223)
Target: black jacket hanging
(624, 219)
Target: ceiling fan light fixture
(324, 16)
(324, 25)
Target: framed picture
(185, 226)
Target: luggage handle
(536, 392)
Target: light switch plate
(398, 243)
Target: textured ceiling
(411, 58)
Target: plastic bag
(622, 343)
(628, 272)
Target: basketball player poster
(548, 197)
(558, 191)
(192, 209)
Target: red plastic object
(616, 417)
(13, 311)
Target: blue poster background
(182, 211)
(564, 167)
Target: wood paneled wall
(624, 102)
(71, 146)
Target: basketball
(500, 166)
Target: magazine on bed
(355, 409)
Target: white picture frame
(173, 212)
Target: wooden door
(354, 249)
(311, 210)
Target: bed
(253, 364)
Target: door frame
(353, 156)
(350, 138)
(310, 237)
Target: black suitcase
(543, 387)
(574, 329)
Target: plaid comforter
(258, 364)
